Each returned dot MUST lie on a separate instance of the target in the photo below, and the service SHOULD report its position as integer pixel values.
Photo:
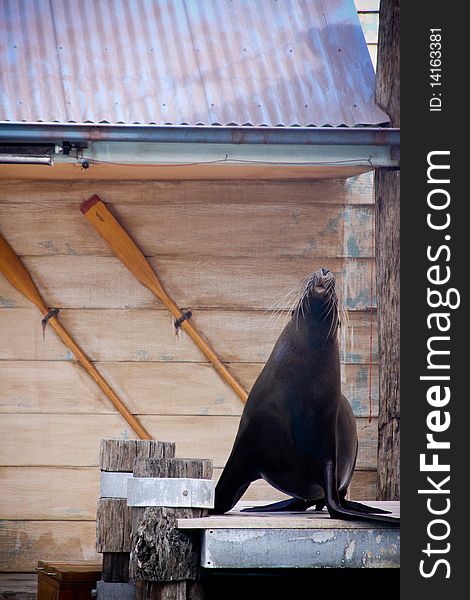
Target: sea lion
(297, 430)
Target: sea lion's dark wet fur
(297, 430)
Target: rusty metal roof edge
(21, 132)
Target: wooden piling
(113, 522)
(387, 215)
(165, 560)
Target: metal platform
(306, 540)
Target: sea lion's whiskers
(330, 310)
(334, 324)
(280, 307)
(284, 313)
(280, 303)
(330, 300)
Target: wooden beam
(387, 202)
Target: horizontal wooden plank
(372, 48)
(18, 586)
(147, 388)
(355, 190)
(72, 440)
(238, 519)
(370, 26)
(367, 5)
(71, 493)
(49, 493)
(215, 229)
(60, 493)
(363, 485)
(23, 543)
(211, 282)
(149, 335)
(221, 171)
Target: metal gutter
(12, 159)
(83, 133)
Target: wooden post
(113, 520)
(165, 560)
(387, 215)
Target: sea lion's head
(318, 303)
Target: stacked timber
(113, 523)
(165, 560)
(144, 491)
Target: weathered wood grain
(354, 190)
(387, 193)
(224, 229)
(160, 388)
(160, 552)
(115, 567)
(119, 455)
(149, 335)
(152, 590)
(388, 282)
(113, 526)
(71, 493)
(113, 516)
(23, 543)
(192, 281)
(173, 467)
(65, 440)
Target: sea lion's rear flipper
(292, 504)
(362, 507)
(337, 511)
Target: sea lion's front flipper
(292, 504)
(233, 483)
(333, 503)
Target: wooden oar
(97, 213)
(17, 274)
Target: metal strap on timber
(170, 492)
(114, 485)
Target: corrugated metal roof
(192, 62)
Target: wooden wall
(229, 251)
(368, 11)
